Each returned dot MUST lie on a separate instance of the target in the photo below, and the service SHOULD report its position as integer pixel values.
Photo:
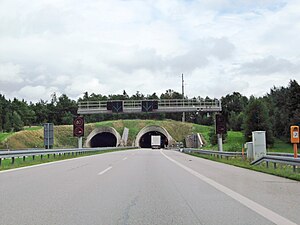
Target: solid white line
(263, 211)
(124, 158)
(104, 171)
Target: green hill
(33, 137)
(63, 135)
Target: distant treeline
(274, 112)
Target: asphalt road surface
(145, 187)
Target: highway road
(145, 187)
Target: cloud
(36, 93)
(269, 65)
(108, 46)
(10, 73)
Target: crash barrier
(42, 152)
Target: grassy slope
(33, 137)
(4, 136)
(235, 141)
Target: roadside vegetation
(32, 137)
(281, 170)
(63, 135)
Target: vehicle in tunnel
(145, 141)
(155, 141)
(104, 139)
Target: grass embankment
(4, 136)
(176, 129)
(63, 135)
(32, 137)
(282, 170)
(235, 141)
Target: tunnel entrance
(145, 140)
(104, 139)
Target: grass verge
(4, 136)
(6, 164)
(282, 170)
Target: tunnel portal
(145, 140)
(104, 139)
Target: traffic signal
(78, 126)
(220, 124)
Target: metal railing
(164, 105)
(42, 152)
(277, 159)
(214, 153)
(271, 157)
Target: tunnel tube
(103, 137)
(143, 139)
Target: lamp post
(182, 82)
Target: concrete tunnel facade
(143, 138)
(109, 137)
(103, 137)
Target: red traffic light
(78, 126)
(220, 124)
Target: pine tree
(17, 122)
(7, 126)
(257, 119)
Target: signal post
(78, 129)
(220, 130)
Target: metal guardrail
(273, 157)
(277, 159)
(41, 152)
(190, 150)
(211, 152)
(281, 154)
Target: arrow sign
(117, 106)
(147, 106)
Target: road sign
(78, 126)
(149, 106)
(48, 135)
(115, 106)
(295, 134)
(220, 124)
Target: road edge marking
(254, 206)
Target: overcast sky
(221, 46)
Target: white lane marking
(104, 171)
(124, 158)
(263, 211)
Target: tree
(232, 107)
(17, 122)
(64, 108)
(171, 94)
(257, 119)
(293, 102)
(7, 126)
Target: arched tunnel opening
(145, 140)
(104, 139)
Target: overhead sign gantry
(148, 106)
